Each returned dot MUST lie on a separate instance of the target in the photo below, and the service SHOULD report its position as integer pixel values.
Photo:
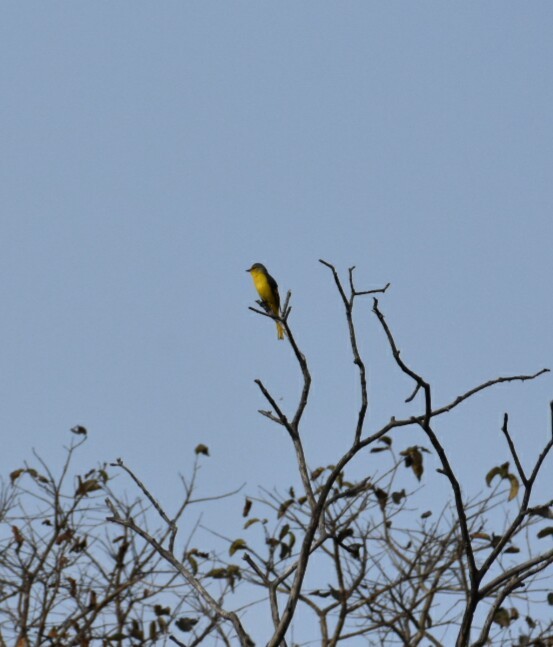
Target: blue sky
(151, 152)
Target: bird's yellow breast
(262, 286)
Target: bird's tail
(280, 330)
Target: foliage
(363, 554)
(67, 577)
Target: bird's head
(257, 267)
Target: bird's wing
(274, 289)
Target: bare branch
(512, 449)
(245, 640)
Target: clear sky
(151, 152)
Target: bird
(267, 289)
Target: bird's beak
(249, 270)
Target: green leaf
(186, 624)
(542, 511)
(284, 507)
(545, 532)
(191, 558)
(502, 617)
(16, 474)
(381, 496)
(247, 507)
(284, 550)
(284, 530)
(31, 472)
(413, 459)
(199, 553)
(217, 573)
(501, 470)
(86, 487)
(344, 534)
(514, 486)
(398, 496)
(316, 473)
(354, 550)
(233, 573)
(136, 630)
(237, 544)
(291, 540)
(193, 564)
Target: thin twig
(244, 638)
(514, 454)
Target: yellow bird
(267, 288)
